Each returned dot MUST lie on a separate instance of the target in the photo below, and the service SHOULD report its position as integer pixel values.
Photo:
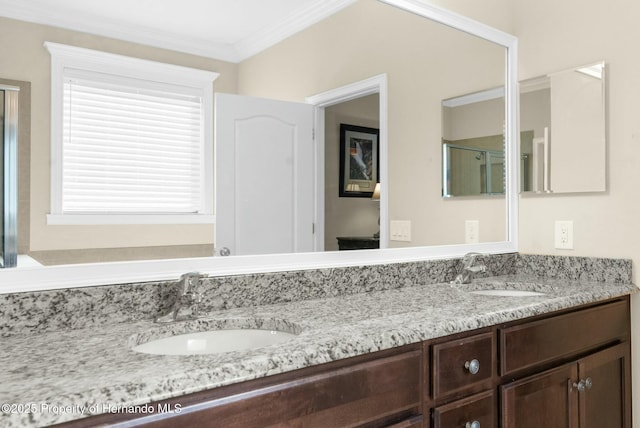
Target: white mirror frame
(82, 275)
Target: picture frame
(359, 161)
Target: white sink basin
(213, 342)
(507, 293)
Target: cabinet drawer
(413, 422)
(380, 391)
(480, 408)
(564, 336)
(463, 365)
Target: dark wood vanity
(569, 368)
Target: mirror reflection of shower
(9, 175)
(469, 171)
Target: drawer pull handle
(473, 367)
(474, 424)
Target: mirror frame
(82, 275)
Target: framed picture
(359, 164)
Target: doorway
(340, 97)
(350, 222)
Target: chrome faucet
(468, 269)
(187, 294)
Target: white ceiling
(231, 30)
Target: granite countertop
(60, 375)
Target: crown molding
(294, 23)
(92, 24)
(476, 97)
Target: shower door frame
(9, 238)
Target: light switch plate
(400, 230)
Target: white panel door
(264, 173)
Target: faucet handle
(469, 258)
(188, 283)
(188, 275)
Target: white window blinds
(131, 140)
(130, 146)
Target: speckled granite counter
(61, 372)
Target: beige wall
(496, 13)
(347, 216)
(535, 111)
(25, 58)
(421, 73)
(479, 119)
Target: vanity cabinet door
(593, 392)
(606, 397)
(542, 400)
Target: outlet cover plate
(564, 234)
(471, 231)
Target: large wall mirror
(442, 56)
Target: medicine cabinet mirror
(562, 136)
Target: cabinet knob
(224, 252)
(473, 367)
(588, 383)
(583, 384)
(474, 424)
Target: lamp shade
(376, 193)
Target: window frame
(70, 57)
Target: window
(131, 140)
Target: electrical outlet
(471, 231)
(564, 235)
(400, 230)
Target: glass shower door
(9, 176)
(2, 173)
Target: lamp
(376, 197)
(376, 193)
